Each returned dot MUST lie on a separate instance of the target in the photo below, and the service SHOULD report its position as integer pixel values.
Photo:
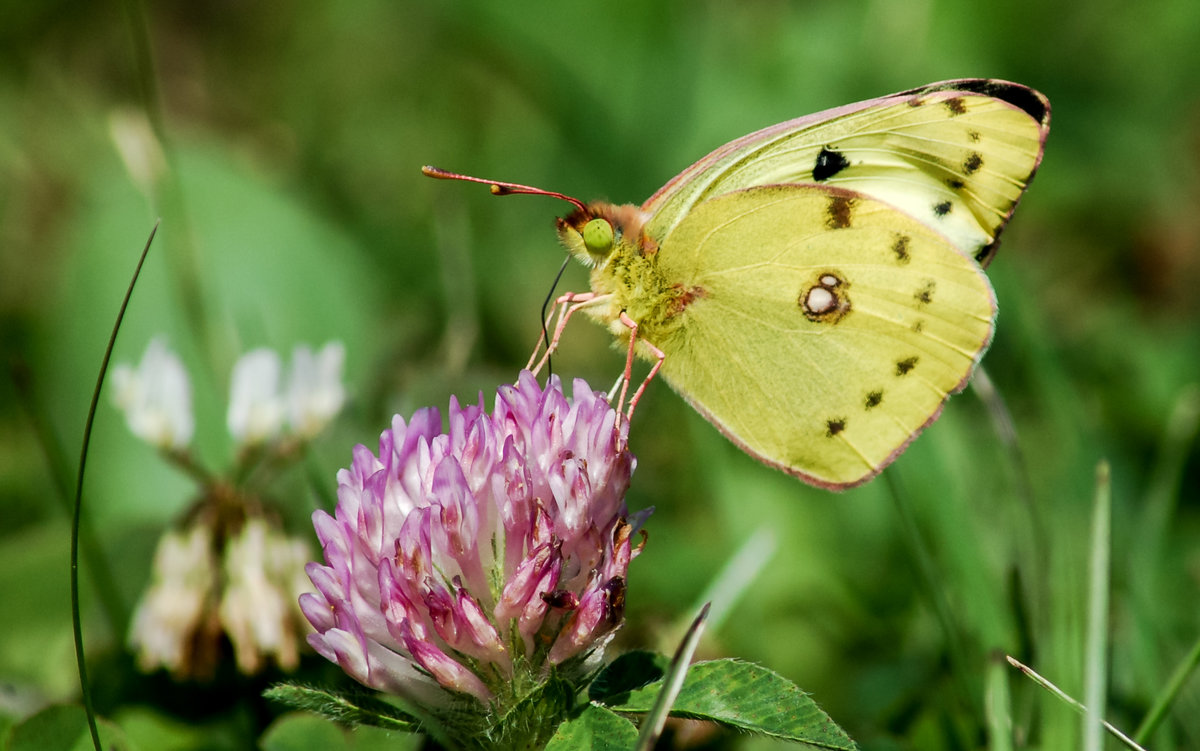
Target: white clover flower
(264, 576)
(156, 397)
(256, 408)
(173, 608)
(315, 390)
(232, 576)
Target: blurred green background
(294, 211)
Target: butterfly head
(592, 232)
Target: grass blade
(1095, 664)
(1163, 702)
(76, 625)
(652, 726)
(997, 704)
(1041, 681)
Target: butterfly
(816, 289)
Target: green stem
(1095, 676)
(1058, 692)
(1165, 699)
(319, 482)
(76, 624)
(927, 571)
(183, 459)
(167, 194)
(998, 705)
(1036, 541)
(656, 718)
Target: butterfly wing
(823, 329)
(956, 155)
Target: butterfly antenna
(500, 188)
(545, 306)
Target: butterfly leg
(628, 374)
(565, 307)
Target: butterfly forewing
(955, 155)
(823, 329)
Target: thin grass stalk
(656, 718)
(930, 583)
(1071, 702)
(997, 704)
(1166, 698)
(76, 624)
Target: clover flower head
(260, 405)
(256, 408)
(471, 559)
(263, 576)
(209, 584)
(229, 575)
(315, 390)
(156, 397)
(173, 609)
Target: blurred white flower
(263, 577)
(231, 576)
(256, 408)
(140, 150)
(315, 390)
(173, 608)
(156, 397)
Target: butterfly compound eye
(598, 236)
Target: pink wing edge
(1029, 100)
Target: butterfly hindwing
(823, 328)
(955, 155)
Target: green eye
(598, 236)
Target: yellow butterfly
(815, 289)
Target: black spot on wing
(834, 426)
(956, 105)
(972, 163)
(837, 214)
(924, 295)
(942, 208)
(973, 135)
(829, 163)
(905, 366)
(954, 183)
(873, 399)
(900, 248)
(1022, 97)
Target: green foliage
(63, 728)
(738, 695)
(749, 698)
(594, 729)
(627, 673)
(350, 710)
(305, 732)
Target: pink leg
(658, 361)
(565, 307)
